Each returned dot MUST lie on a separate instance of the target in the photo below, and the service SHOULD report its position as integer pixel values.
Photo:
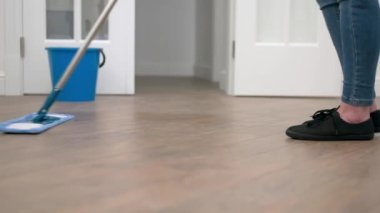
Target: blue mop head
(27, 125)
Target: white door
(2, 48)
(65, 23)
(283, 49)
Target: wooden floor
(181, 145)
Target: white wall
(221, 43)
(212, 40)
(204, 39)
(165, 40)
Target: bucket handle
(104, 59)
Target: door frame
(230, 78)
(225, 77)
(11, 83)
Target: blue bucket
(81, 87)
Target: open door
(10, 59)
(65, 23)
(283, 49)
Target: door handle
(22, 47)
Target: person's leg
(360, 37)
(331, 14)
(354, 45)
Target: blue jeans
(354, 26)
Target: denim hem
(357, 102)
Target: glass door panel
(91, 10)
(60, 19)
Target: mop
(36, 123)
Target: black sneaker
(375, 116)
(328, 126)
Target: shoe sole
(300, 136)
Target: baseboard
(2, 84)
(160, 69)
(203, 72)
